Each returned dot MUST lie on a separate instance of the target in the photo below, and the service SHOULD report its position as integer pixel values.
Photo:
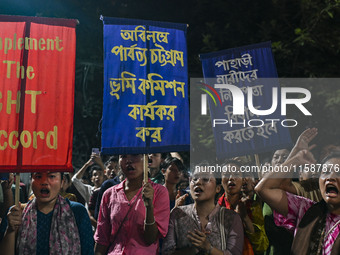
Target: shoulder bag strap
(131, 205)
(222, 229)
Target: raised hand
(303, 157)
(7, 184)
(305, 138)
(95, 157)
(303, 141)
(180, 200)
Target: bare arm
(98, 160)
(302, 143)
(269, 188)
(242, 211)
(92, 219)
(150, 226)
(100, 249)
(286, 184)
(7, 244)
(270, 193)
(8, 195)
(79, 175)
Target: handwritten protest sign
(245, 67)
(37, 70)
(145, 87)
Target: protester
(91, 207)
(49, 224)
(133, 215)
(112, 181)
(203, 227)
(7, 200)
(63, 191)
(315, 225)
(255, 239)
(184, 181)
(66, 184)
(248, 186)
(280, 240)
(326, 150)
(309, 187)
(111, 167)
(155, 160)
(172, 169)
(97, 177)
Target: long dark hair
(334, 154)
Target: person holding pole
(97, 176)
(134, 214)
(49, 224)
(8, 200)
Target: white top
(85, 190)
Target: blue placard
(245, 67)
(145, 106)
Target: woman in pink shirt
(125, 225)
(316, 226)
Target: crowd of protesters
(109, 208)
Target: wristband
(149, 224)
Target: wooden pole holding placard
(146, 173)
(146, 168)
(257, 160)
(17, 189)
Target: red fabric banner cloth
(37, 72)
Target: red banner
(37, 72)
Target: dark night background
(305, 38)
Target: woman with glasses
(255, 239)
(203, 227)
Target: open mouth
(149, 161)
(231, 185)
(45, 192)
(198, 190)
(130, 168)
(331, 190)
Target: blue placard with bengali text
(145, 105)
(249, 66)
